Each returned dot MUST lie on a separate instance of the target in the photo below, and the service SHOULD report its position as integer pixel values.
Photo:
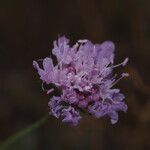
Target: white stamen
(122, 64)
(122, 76)
(75, 46)
(82, 41)
(87, 88)
(117, 65)
(125, 61)
(49, 91)
(40, 59)
(43, 86)
(35, 65)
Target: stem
(14, 138)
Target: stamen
(43, 86)
(125, 61)
(122, 64)
(49, 91)
(122, 76)
(40, 59)
(82, 41)
(35, 65)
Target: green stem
(14, 138)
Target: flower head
(84, 74)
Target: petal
(48, 64)
(41, 72)
(61, 47)
(105, 50)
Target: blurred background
(27, 31)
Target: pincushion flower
(84, 74)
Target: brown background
(27, 30)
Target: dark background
(27, 31)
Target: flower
(84, 74)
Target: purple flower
(84, 74)
(67, 113)
(70, 115)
